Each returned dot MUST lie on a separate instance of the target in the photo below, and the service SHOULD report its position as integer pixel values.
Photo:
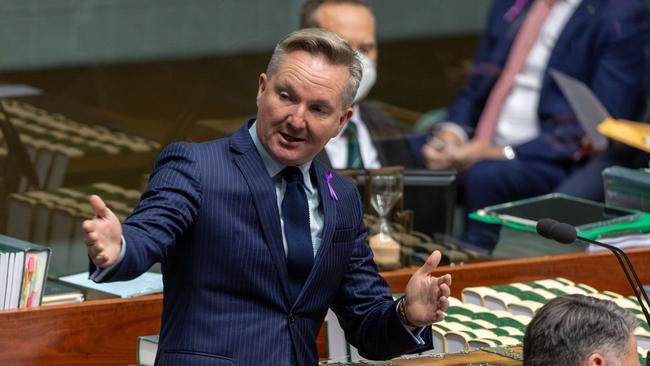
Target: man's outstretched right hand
(103, 234)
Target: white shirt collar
(274, 167)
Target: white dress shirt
(518, 119)
(337, 147)
(274, 167)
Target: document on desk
(623, 242)
(148, 283)
(587, 107)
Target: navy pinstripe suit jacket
(209, 214)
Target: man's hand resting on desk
(427, 297)
(103, 234)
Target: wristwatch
(509, 152)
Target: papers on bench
(148, 283)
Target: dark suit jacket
(603, 44)
(388, 137)
(210, 215)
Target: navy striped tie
(295, 214)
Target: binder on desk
(629, 188)
(23, 272)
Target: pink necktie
(521, 47)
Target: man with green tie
(371, 138)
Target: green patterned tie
(354, 152)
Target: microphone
(567, 234)
(552, 229)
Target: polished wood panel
(104, 332)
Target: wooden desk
(457, 359)
(104, 332)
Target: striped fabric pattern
(210, 215)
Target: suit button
(292, 318)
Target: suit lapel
(329, 211)
(264, 198)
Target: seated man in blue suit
(257, 239)
(511, 130)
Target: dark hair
(569, 328)
(309, 8)
(321, 43)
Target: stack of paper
(57, 293)
(148, 283)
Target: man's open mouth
(290, 138)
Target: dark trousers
(587, 180)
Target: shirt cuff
(99, 273)
(416, 334)
(455, 129)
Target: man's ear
(261, 86)
(595, 359)
(345, 116)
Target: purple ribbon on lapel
(515, 10)
(328, 177)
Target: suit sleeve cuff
(99, 273)
(416, 334)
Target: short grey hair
(569, 328)
(319, 42)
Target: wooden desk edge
(106, 331)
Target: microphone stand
(636, 285)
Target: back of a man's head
(570, 329)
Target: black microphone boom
(567, 234)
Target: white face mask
(368, 79)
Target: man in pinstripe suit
(213, 214)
